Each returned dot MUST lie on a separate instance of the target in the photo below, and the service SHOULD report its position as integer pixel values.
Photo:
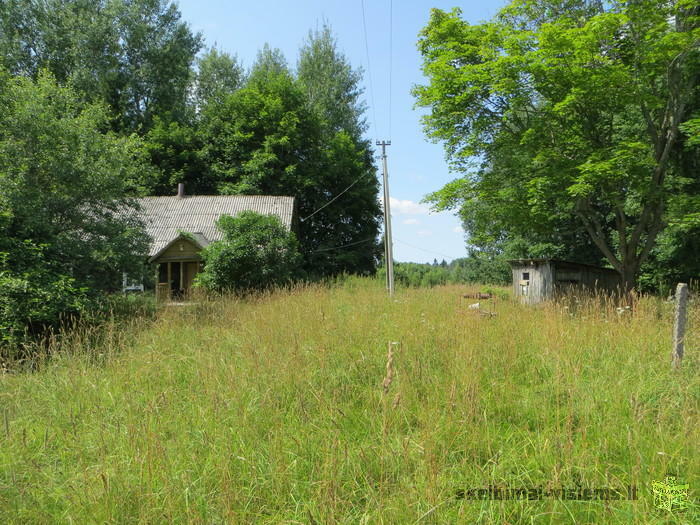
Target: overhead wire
(424, 250)
(374, 126)
(369, 68)
(374, 113)
(391, 56)
(334, 198)
(345, 245)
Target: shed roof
(522, 262)
(166, 217)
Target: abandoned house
(181, 225)
(535, 280)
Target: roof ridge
(216, 196)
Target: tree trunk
(628, 275)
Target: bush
(257, 252)
(35, 299)
(68, 225)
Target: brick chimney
(181, 190)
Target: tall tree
(66, 227)
(331, 84)
(262, 139)
(589, 99)
(333, 91)
(267, 139)
(134, 54)
(218, 75)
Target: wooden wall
(540, 282)
(581, 277)
(547, 278)
(182, 249)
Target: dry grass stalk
(389, 378)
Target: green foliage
(478, 268)
(266, 139)
(36, 295)
(691, 128)
(331, 85)
(256, 252)
(573, 108)
(257, 141)
(218, 75)
(269, 64)
(134, 55)
(175, 152)
(66, 225)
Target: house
(535, 280)
(182, 225)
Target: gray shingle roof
(166, 217)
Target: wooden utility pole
(679, 323)
(388, 250)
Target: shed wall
(540, 282)
(590, 278)
(548, 278)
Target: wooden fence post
(679, 323)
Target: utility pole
(388, 250)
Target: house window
(526, 276)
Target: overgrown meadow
(283, 409)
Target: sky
(392, 67)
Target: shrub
(256, 252)
(35, 298)
(67, 221)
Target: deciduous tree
(67, 227)
(575, 109)
(135, 55)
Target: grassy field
(272, 410)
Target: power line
(344, 245)
(334, 198)
(369, 68)
(391, 56)
(424, 250)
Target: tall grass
(283, 408)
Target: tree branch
(621, 223)
(595, 231)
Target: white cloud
(424, 233)
(411, 221)
(407, 207)
(458, 229)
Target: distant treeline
(476, 268)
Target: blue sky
(416, 166)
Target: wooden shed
(536, 280)
(181, 226)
